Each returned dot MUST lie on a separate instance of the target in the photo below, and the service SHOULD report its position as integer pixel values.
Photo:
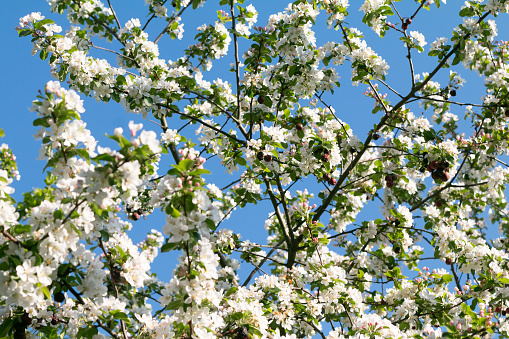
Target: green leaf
(447, 278)
(44, 22)
(474, 304)
(105, 235)
(121, 80)
(43, 55)
(210, 224)
(87, 332)
(174, 212)
(241, 161)
(120, 316)
(467, 11)
(404, 326)
(231, 291)
(58, 214)
(84, 154)
(6, 326)
(104, 157)
(186, 164)
(504, 281)
(199, 171)
(20, 229)
(41, 122)
(168, 247)
(24, 32)
(457, 59)
(45, 290)
(174, 171)
(292, 70)
(429, 135)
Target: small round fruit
(444, 176)
(439, 203)
(326, 177)
(448, 261)
(434, 164)
(422, 169)
(242, 333)
(444, 165)
(435, 175)
(259, 156)
(333, 181)
(404, 26)
(267, 157)
(26, 320)
(115, 276)
(397, 249)
(452, 93)
(408, 21)
(376, 136)
(299, 127)
(498, 309)
(54, 320)
(325, 157)
(390, 184)
(59, 297)
(428, 167)
(388, 177)
(136, 216)
(261, 99)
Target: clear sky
(23, 75)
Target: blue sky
(23, 75)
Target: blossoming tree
(423, 268)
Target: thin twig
(170, 22)
(114, 14)
(202, 122)
(236, 54)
